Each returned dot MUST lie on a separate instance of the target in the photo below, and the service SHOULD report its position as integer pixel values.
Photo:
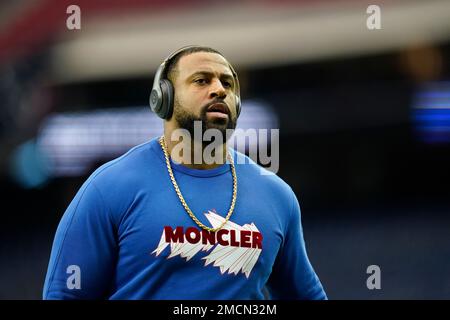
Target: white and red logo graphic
(236, 248)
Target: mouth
(218, 108)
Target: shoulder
(117, 183)
(119, 180)
(262, 177)
(127, 167)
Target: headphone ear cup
(155, 100)
(167, 99)
(238, 106)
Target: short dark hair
(172, 63)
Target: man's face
(204, 91)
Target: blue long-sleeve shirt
(126, 235)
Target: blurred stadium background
(364, 118)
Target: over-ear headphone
(162, 95)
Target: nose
(217, 90)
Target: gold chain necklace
(162, 142)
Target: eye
(200, 81)
(227, 84)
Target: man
(156, 224)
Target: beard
(187, 119)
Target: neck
(191, 153)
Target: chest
(158, 228)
